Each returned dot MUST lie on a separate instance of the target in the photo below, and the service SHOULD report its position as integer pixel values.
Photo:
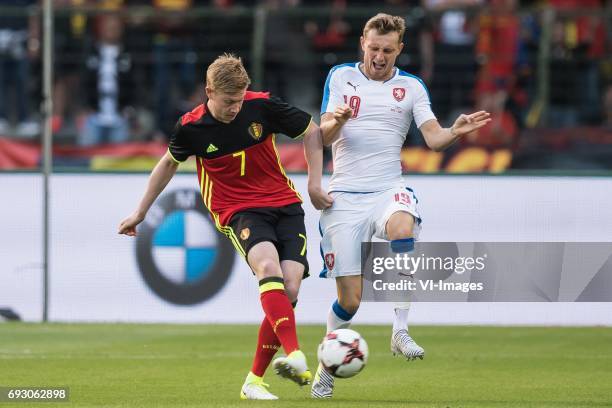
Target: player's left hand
(128, 225)
(319, 198)
(469, 123)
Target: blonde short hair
(227, 74)
(385, 23)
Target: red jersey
(238, 164)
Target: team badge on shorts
(255, 130)
(399, 94)
(245, 234)
(330, 260)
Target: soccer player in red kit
(251, 200)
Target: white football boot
(323, 384)
(402, 343)
(255, 389)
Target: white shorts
(355, 218)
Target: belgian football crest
(255, 130)
(245, 234)
(399, 94)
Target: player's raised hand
(468, 123)
(343, 113)
(319, 198)
(128, 225)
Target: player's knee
(400, 231)
(400, 226)
(292, 289)
(267, 268)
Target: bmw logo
(181, 255)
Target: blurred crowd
(125, 70)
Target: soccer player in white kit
(366, 113)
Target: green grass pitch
(120, 365)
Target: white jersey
(366, 154)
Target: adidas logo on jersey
(211, 148)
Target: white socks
(338, 318)
(400, 319)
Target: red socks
(277, 328)
(279, 312)
(267, 344)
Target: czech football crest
(255, 130)
(329, 261)
(399, 94)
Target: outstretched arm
(160, 176)
(313, 150)
(439, 138)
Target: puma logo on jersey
(354, 86)
(211, 148)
